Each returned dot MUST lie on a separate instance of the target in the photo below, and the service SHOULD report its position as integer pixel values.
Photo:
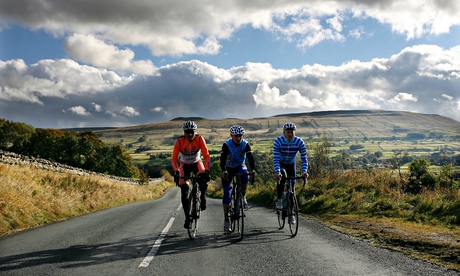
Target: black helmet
(189, 125)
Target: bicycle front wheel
(281, 215)
(194, 215)
(294, 215)
(239, 224)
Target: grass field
(376, 131)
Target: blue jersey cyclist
(232, 162)
(285, 149)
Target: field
(391, 133)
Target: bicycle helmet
(236, 130)
(189, 125)
(289, 126)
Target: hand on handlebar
(224, 175)
(305, 176)
(278, 177)
(253, 176)
(176, 177)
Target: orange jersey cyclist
(232, 161)
(186, 158)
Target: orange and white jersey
(189, 152)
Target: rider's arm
(250, 157)
(303, 157)
(205, 152)
(175, 156)
(276, 156)
(223, 156)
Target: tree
(15, 136)
(420, 177)
(319, 158)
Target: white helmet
(236, 130)
(189, 125)
(289, 126)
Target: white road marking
(156, 245)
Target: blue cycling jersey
(237, 154)
(285, 151)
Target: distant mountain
(340, 124)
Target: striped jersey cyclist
(186, 158)
(285, 149)
(232, 162)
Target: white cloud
(129, 111)
(419, 79)
(53, 78)
(97, 107)
(178, 27)
(79, 110)
(91, 50)
(403, 97)
(447, 97)
(271, 97)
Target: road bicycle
(290, 205)
(236, 206)
(194, 203)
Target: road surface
(148, 239)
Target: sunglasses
(189, 131)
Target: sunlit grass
(31, 197)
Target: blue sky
(91, 64)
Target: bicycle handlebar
(246, 174)
(297, 177)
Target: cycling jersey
(232, 160)
(285, 151)
(233, 156)
(189, 152)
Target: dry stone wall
(18, 159)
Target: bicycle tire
(281, 214)
(234, 206)
(194, 216)
(240, 218)
(294, 210)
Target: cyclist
(285, 149)
(186, 158)
(232, 162)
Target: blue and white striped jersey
(285, 151)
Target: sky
(114, 63)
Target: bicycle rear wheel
(294, 211)
(194, 215)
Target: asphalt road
(148, 239)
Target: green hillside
(375, 130)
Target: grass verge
(31, 197)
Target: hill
(344, 127)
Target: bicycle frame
(290, 205)
(236, 208)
